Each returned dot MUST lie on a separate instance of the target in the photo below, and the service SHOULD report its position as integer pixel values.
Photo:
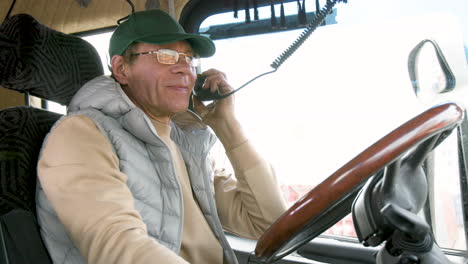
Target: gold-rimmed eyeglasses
(168, 56)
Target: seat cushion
(21, 134)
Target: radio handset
(206, 94)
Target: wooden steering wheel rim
(435, 120)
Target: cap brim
(202, 45)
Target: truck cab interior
(359, 105)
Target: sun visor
(72, 17)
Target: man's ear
(118, 69)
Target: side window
(101, 43)
(447, 216)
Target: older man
(123, 180)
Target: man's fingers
(201, 109)
(214, 72)
(198, 106)
(216, 80)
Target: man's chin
(180, 109)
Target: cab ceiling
(73, 16)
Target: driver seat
(48, 64)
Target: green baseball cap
(156, 27)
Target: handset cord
(311, 27)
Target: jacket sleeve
(252, 200)
(80, 175)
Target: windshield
(344, 88)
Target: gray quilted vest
(156, 191)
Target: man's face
(160, 90)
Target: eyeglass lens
(167, 56)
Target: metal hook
(126, 17)
(132, 5)
(9, 10)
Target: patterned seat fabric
(44, 62)
(50, 65)
(22, 131)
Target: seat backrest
(52, 66)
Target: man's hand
(220, 115)
(220, 109)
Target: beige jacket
(247, 203)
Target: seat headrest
(44, 62)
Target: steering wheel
(332, 199)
